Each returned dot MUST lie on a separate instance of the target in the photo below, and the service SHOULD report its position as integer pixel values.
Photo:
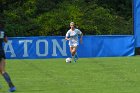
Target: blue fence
(57, 47)
(137, 22)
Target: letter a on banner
(9, 48)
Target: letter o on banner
(45, 47)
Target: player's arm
(5, 39)
(81, 37)
(67, 36)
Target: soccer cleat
(12, 89)
(75, 58)
(74, 61)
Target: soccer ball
(68, 60)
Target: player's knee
(73, 51)
(2, 70)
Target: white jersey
(73, 35)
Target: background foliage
(52, 17)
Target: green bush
(52, 17)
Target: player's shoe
(12, 89)
(73, 57)
(74, 60)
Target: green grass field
(94, 75)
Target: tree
(52, 17)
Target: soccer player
(72, 36)
(3, 38)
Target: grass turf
(88, 75)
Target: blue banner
(137, 22)
(57, 47)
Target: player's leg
(72, 54)
(76, 55)
(0, 72)
(6, 75)
(73, 51)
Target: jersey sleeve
(68, 34)
(79, 32)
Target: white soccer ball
(68, 60)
